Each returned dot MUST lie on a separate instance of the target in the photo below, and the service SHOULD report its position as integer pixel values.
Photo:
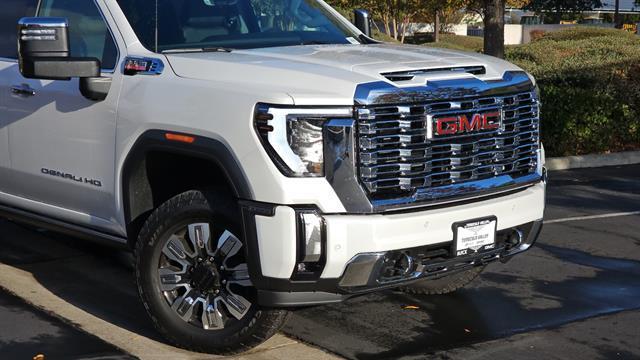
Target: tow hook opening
(514, 239)
(397, 265)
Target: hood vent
(410, 75)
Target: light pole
(616, 16)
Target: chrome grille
(398, 153)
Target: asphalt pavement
(576, 294)
(579, 269)
(26, 332)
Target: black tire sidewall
(444, 285)
(168, 219)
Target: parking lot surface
(26, 332)
(576, 294)
(579, 269)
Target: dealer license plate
(474, 236)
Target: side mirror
(43, 53)
(363, 21)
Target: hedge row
(590, 88)
(589, 80)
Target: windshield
(163, 25)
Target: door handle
(23, 90)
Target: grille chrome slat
(373, 142)
(397, 155)
(428, 179)
(428, 161)
(420, 119)
(370, 128)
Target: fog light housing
(311, 252)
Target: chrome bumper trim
(362, 273)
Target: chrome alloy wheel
(205, 283)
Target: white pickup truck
(259, 155)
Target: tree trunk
(376, 26)
(405, 27)
(387, 27)
(494, 28)
(436, 27)
(395, 28)
(558, 14)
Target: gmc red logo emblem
(462, 124)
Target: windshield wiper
(196, 50)
(315, 42)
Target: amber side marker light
(181, 138)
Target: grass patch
(457, 42)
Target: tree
(389, 12)
(439, 9)
(494, 28)
(557, 8)
(492, 13)
(396, 15)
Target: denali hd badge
(72, 177)
(466, 123)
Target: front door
(60, 143)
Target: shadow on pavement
(96, 279)
(578, 270)
(508, 299)
(593, 191)
(34, 332)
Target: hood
(326, 74)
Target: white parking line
(590, 217)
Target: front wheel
(193, 278)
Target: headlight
(293, 136)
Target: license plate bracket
(474, 236)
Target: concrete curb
(594, 160)
(24, 285)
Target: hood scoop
(402, 76)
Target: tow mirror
(362, 20)
(43, 53)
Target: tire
(443, 285)
(185, 253)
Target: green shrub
(589, 78)
(590, 84)
(536, 34)
(585, 32)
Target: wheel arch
(145, 184)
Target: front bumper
(356, 248)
